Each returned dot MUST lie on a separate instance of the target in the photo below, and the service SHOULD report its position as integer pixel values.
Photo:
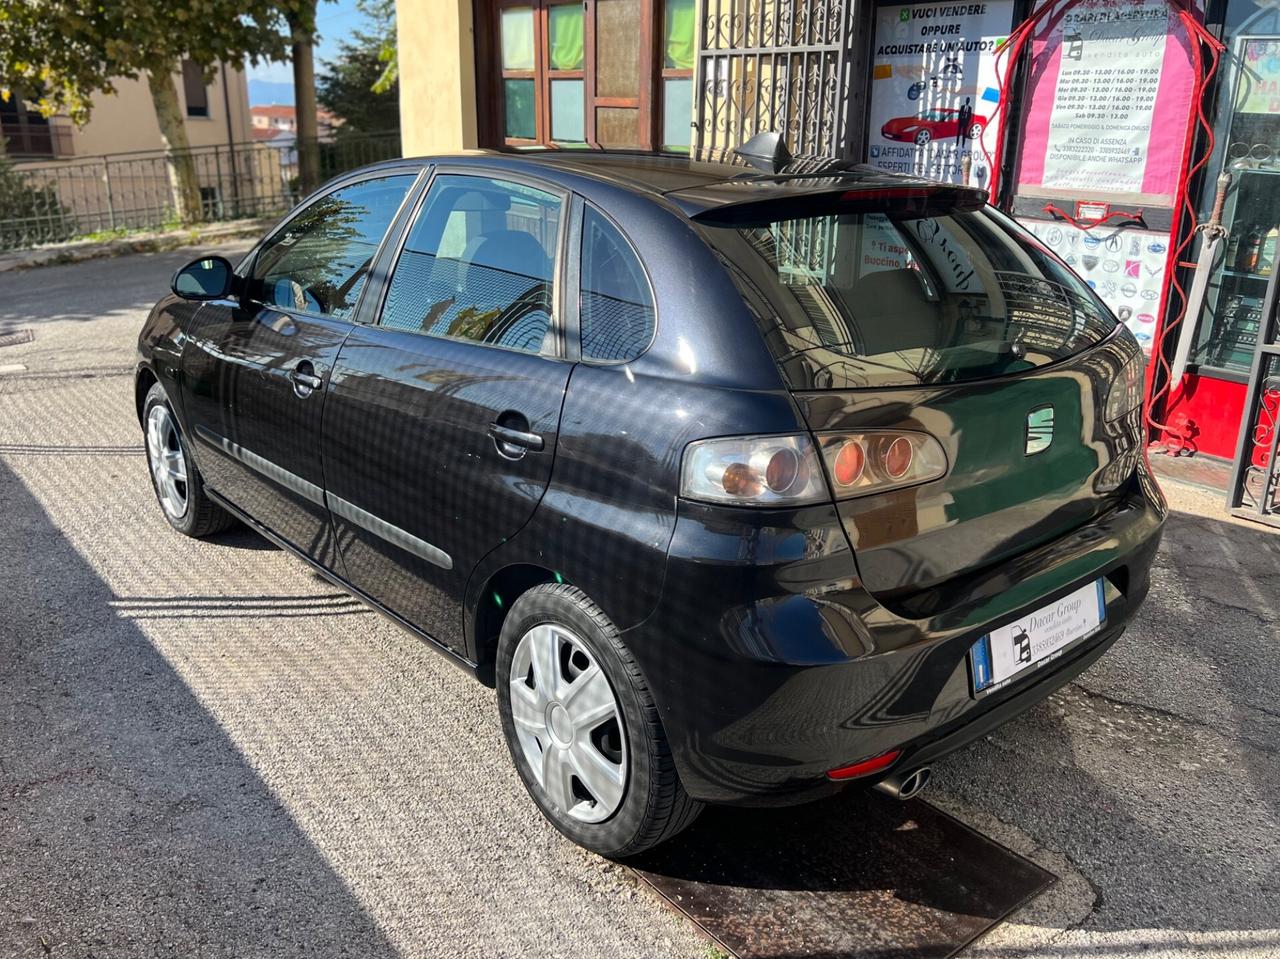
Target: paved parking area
(205, 750)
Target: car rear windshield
(867, 293)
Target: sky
(273, 82)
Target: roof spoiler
(904, 198)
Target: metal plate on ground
(859, 875)
(17, 337)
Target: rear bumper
(771, 664)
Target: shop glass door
(1232, 315)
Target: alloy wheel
(168, 464)
(568, 723)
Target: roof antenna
(766, 151)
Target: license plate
(1005, 653)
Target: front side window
(615, 309)
(319, 262)
(856, 296)
(478, 264)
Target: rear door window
(615, 309)
(478, 264)
(859, 297)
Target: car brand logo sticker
(1054, 236)
(1130, 290)
(1039, 430)
(1092, 242)
(1146, 318)
(1109, 286)
(1156, 247)
(1133, 268)
(1150, 294)
(1111, 266)
(1089, 261)
(1114, 243)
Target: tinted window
(852, 299)
(616, 310)
(319, 262)
(478, 264)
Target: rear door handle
(518, 438)
(304, 377)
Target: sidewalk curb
(78, 251)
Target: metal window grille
(776, 65)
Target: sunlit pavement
(207, 750)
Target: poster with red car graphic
(934, 90)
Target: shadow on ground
(129, 823)
(94, 289)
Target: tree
(346, 86)
(301, 17)
(62, 52)
(382, 15)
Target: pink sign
(1108, 103)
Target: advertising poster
(1259, 90)
(1107, 111)
(934, 90)
(1124, 267)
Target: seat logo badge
(1039, 430)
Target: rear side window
(319, 262)
(615, 310)
(478, 264)
(858, 297)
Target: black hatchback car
(738, 485)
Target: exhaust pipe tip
(905, 785)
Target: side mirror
(208, 278)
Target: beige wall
(126, 121)
(437, 76)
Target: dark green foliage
(345, 86)
(30, 212)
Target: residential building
(614, 73)
(125, 121)
(274, 118)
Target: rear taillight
(874, 461)
(753, 471)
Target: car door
(441, 423)
(255, 368)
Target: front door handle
(505, 436)
(304, 378)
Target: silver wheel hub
(568, 723)
(168, 464)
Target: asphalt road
(205, 750)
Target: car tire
(923, 137)
(174, 478)
(554, 628)
(975, 132)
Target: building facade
(125, 122)
(1110, 128)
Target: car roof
(693, 185)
